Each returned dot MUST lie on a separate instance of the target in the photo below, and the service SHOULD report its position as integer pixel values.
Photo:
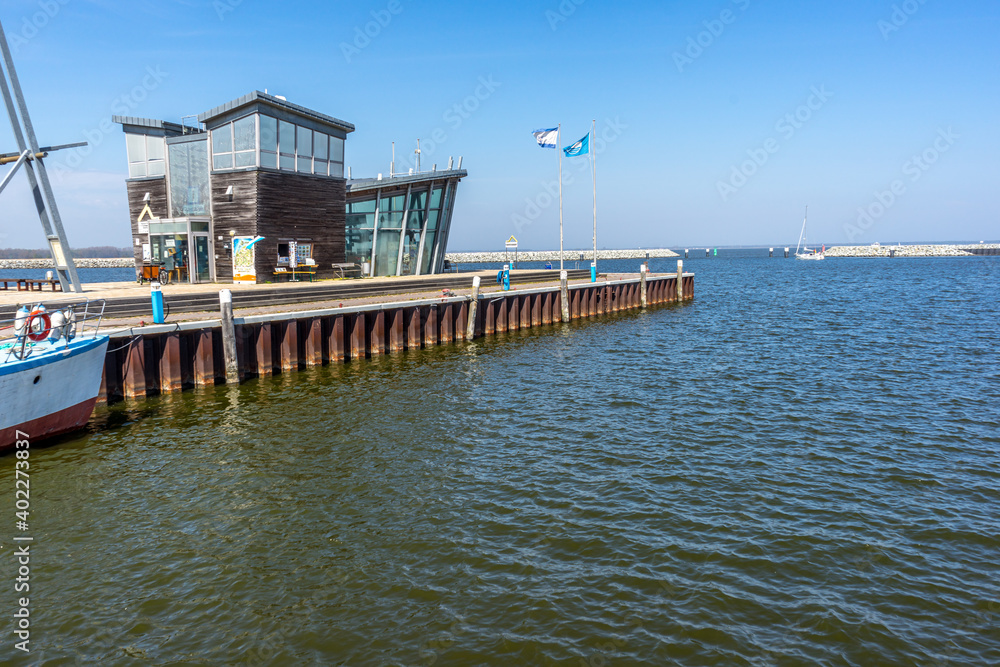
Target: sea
(801, 466)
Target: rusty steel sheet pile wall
(172, 358)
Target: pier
(161, 359)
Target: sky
(717, 122)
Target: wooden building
(258, 188)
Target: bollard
(471, 327)
(229, 336)
(593, 272)
(156, 294)
(564, 294)
(642, 285)
(680, 280)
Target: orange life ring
(38, 336)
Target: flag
(547, 138)
(581, 147)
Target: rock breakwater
(904, 250)
(553, 255)
(82, 263)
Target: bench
(345, 268)
(32, 284)
(298, 271)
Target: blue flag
(547, 138)
(581, 147)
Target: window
(145, 155)
(234, 145)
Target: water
(86, 275)
(801, 467)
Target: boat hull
(50, 393)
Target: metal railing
(34, 327)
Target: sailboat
(807, 253)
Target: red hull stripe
(49, 426)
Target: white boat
(50, 373)
(806, 252)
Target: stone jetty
(81, 263)
(905, 250)
(553, 255)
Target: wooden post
(564, 294)
(680, 280)
(470, 328)
(643, 295)
(229, 337)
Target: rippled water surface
(801, 467)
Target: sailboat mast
(802, 234)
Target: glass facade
(397, 229)
(258, 140)
(189, 178)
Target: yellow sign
(511, 241)
(146, 211)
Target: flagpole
(559, 151)
(593, 161)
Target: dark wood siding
(239, 215)
(157, 189)
(295, 206)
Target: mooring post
(564, 294)
(643, 300)
(471, 327)
(229, 336)
(680, 280)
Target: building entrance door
(202, 265)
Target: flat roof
(274, 101)
(365, 184)
(153, 124)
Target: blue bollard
(593, 272)
(506, 277)
(157, 296)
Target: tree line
(94, 252)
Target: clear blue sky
(918, 80)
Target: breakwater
(81, 263)
(162, 359)
(927, 250)
(553, 255)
